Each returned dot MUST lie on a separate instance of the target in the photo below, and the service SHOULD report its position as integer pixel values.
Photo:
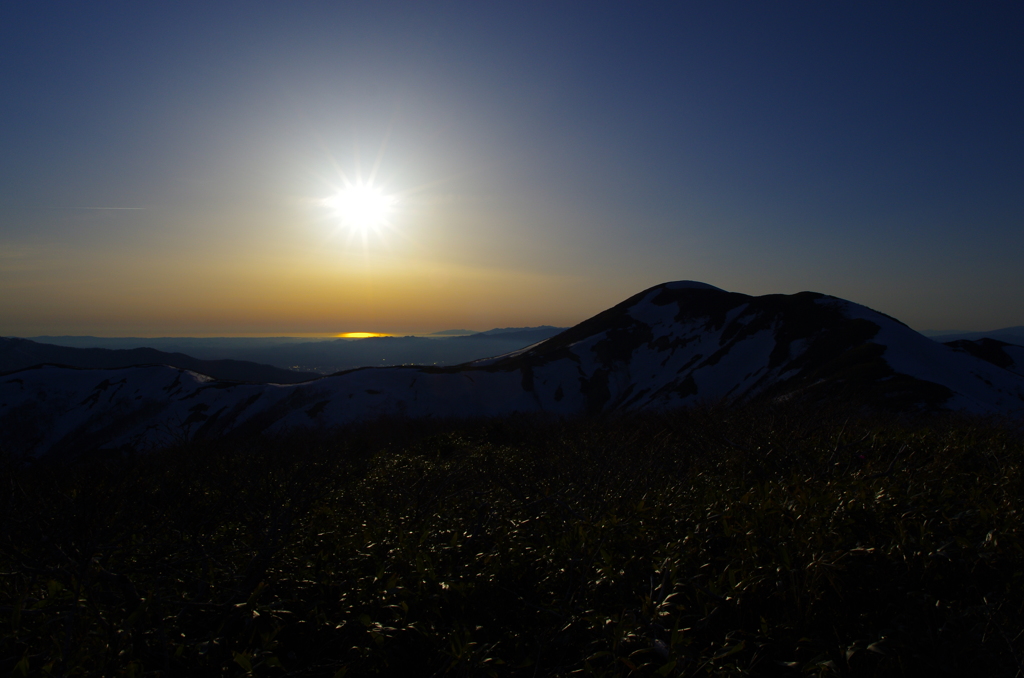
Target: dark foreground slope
(776, 541)
(674, 345)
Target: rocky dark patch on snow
(999, 353)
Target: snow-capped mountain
(673, 345)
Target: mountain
(17, 354)
(523, 336)
(540, 330)
(674, 345)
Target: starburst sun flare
(361, 207)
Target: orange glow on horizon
(361, 335)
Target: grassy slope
(763, 542)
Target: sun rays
(361, 208)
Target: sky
(167, 169)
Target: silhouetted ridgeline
(1009, 335)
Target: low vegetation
(765, 541)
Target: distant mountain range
(1009, 335)
(674, 345)
(327, 356)
(17, 354)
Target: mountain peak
(689, 285)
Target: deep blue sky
(550, 159)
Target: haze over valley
(329, 355)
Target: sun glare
(361, 207)
(361, 335)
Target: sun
(361, 207)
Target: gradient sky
(549, 159)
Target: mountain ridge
(1010, 335)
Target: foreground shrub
(765, 541)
